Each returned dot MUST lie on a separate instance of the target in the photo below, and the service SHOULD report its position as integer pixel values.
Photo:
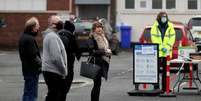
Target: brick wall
(9, 35)
(58, 5)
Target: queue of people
(59, 53)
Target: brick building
(16, 12)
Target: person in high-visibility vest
(163, 33)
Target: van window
(83, 26)
(147, 34)
(195, 22)
(178, 34)
(189, 35)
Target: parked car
(82, 33)
(194, 22)
(183, 36)
(194, 25)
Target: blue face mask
(163, 19)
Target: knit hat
(69, 26)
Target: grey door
(92, 11)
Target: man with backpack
(67, 36)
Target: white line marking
(2, 54)
(86, 82)
(182, 84)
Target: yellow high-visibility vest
(168, 40)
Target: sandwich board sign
(146, 65)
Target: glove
(164, 50)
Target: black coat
(98, 53)
(71, 47)
(29, 54)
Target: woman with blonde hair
(102, 54)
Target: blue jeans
(30, 87)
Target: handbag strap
(90, 57)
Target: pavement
(114, 89)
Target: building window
(143, 4)
(2, 22)
(170, 4)
(130, 4)
(157, 4)
(192, 4)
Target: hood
(65, 32)
(45, 32)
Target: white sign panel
(145, 63)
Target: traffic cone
(144, 86)
(167, 93)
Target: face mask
(164, 19)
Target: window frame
(125, 3)
(157, 8)
(170, 8)
(197, 6)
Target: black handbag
(89, 70)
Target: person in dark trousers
(54, 61)
(163, 33)
(68, 38)
(30, 59)
(102, 54)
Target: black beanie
(59, 25)
(69, 26)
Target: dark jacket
(29, 54)
(71, 46)
(98, 53)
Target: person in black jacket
(30, 59)
(70, 44)
(102, 54)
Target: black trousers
(55, 85)
(95, 93)
(163, 62)
(67, 83)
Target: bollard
(168, 75)
(190, 74)
(190, 77)
(144, 86)
(167, 93)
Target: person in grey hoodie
(54, 61)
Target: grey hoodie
(54, 54)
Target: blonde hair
(30, 23)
